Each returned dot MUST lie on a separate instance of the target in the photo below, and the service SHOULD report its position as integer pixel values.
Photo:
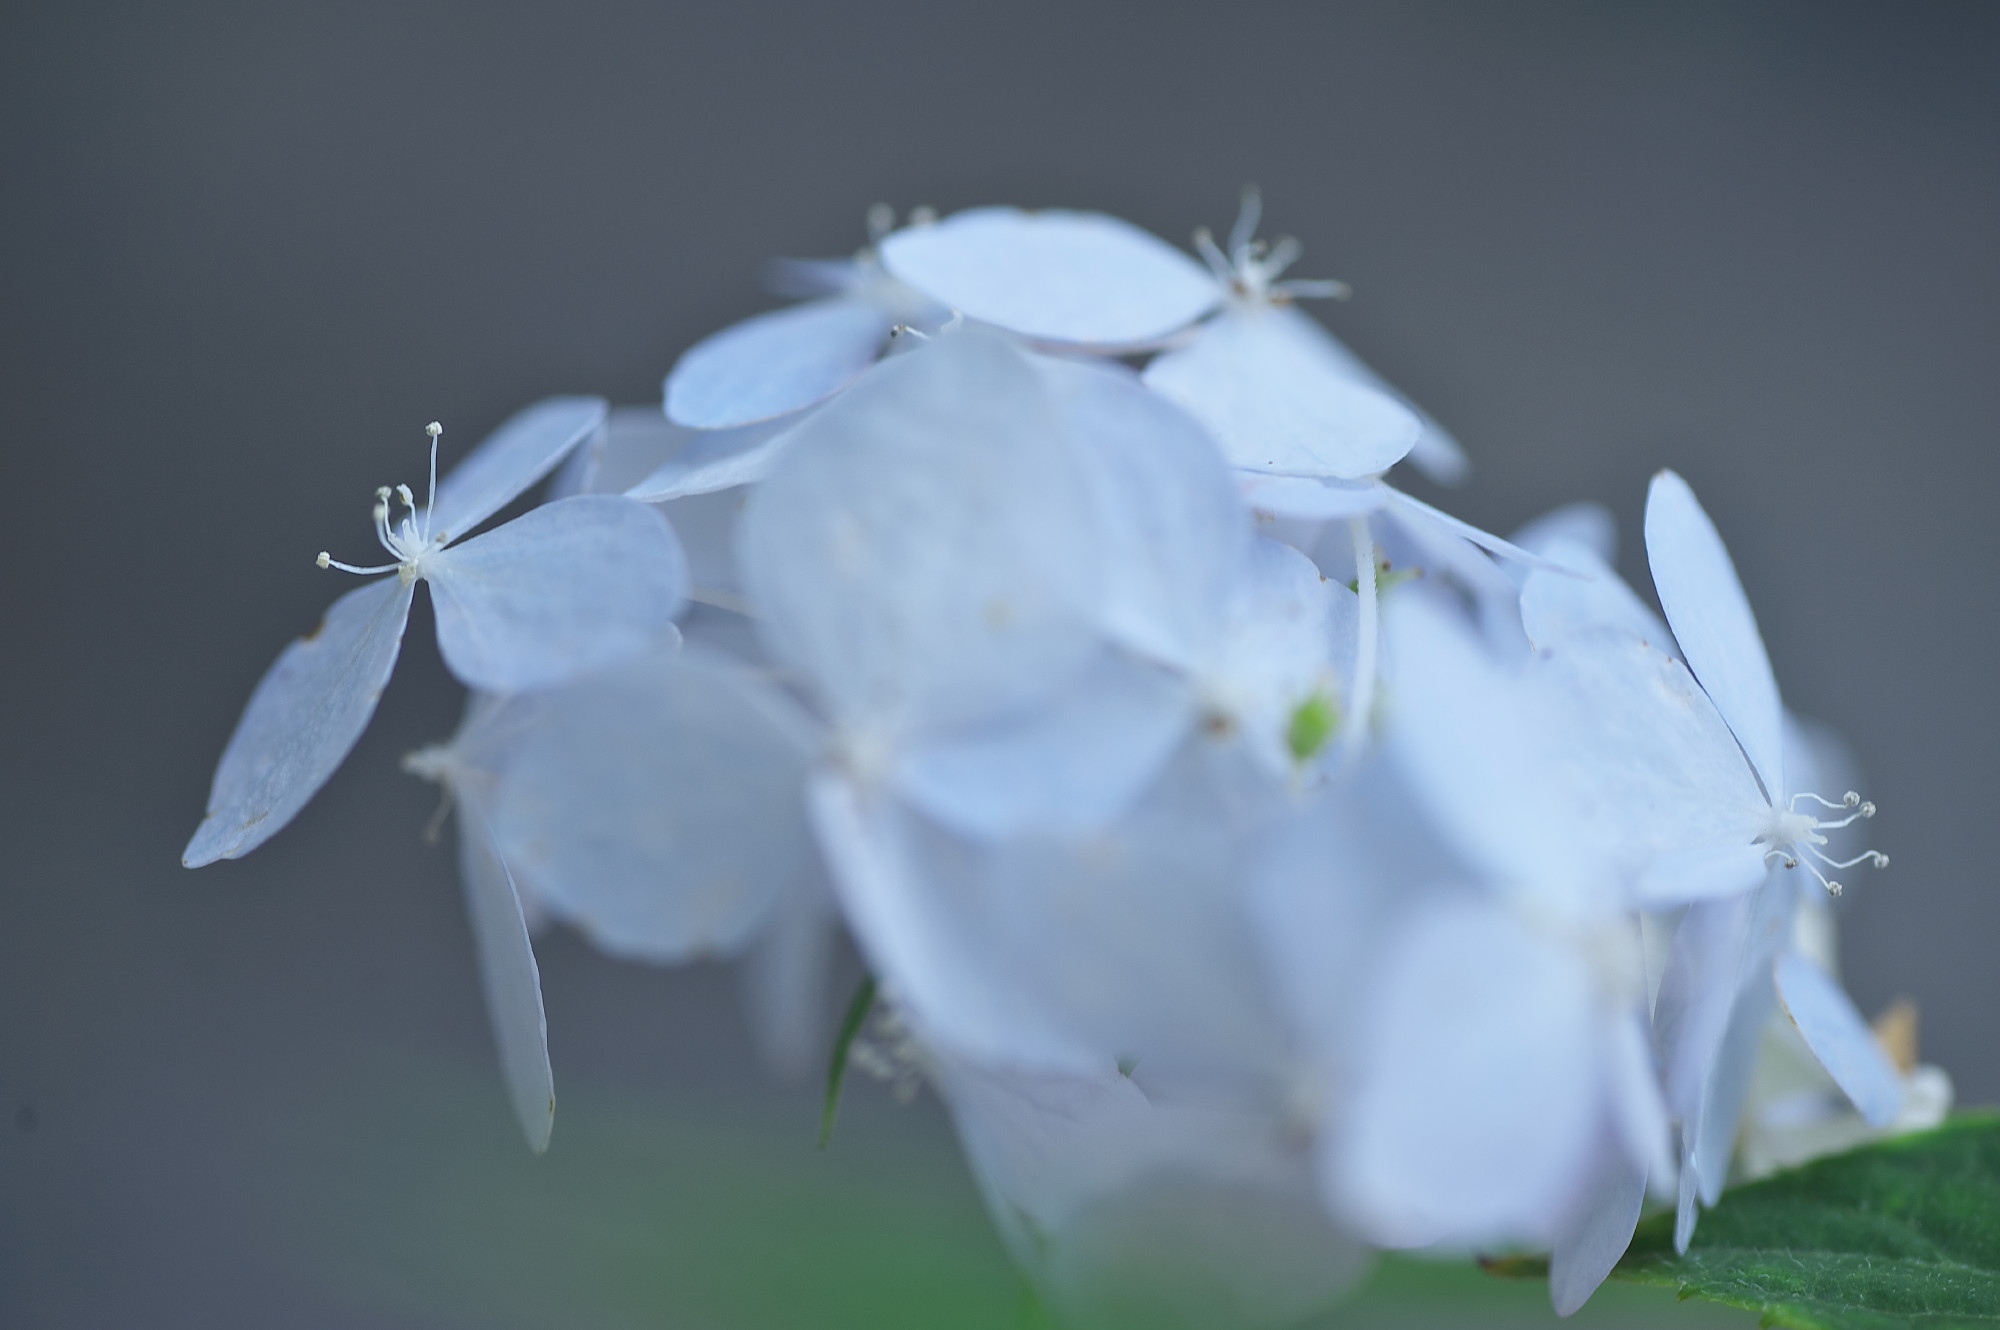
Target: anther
(433, 429)
(382, 493)
(1833, 889)
(324, 560)
(409, 499)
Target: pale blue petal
(563, 589)
(1702, 872)
(1436, 453)
(658, 806)
(1713, 623)
(1729, 1087)
(1467, 737)
(510, 978)
(773, 364)
(721, 460)
(1478, 1115)
(527, 446)
(1556, 608)
(1418, 515)
(1659, 780)
(1259, 379)
(1840, 1039)
(1175, 532)
(926, 554)
(1597, 1234)
(635, 442)
(1584, 523)
(787, 982)
(305, 715)
(1290, 635)
(1081, 278)
(892, 909)
(1070, 764)
(1310, 500)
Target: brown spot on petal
(1896, 1031)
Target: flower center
(1795, 837)
(407, 541)
(1251, 268)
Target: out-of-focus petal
(510, 978)
(1080, 278)
(776, 363)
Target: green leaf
(1903, 1234)
(851, 1022)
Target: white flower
(558, 591)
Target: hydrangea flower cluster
(1262, 865)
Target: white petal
(1175, 532)
(1661, 782)
(526, 447)
(1467, 736)
(786, 980)
(721, 460)
(775, 363)
(1417, 514)
(305, 715)
(1840, 1039)
(635, 442)
(1436, 453)
(659, 805)
(1259, 379)
(1702, 872)
(926, 553)
(559, 591)
(1598, 1233)
(1310, 500)
(1584, 523)
(1077, 277)
(1073, 763)
(1712, 621)
(1556, 608)
(1478, 1115)
(1290, 634)
(508, 974)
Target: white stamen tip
(1867, 810)
(323, 560)
(1833, 888)
(1850, 799)
(409, 499)
(1881, 859)
(433, 429)
(381, 512)
(382, 493)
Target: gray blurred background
(247, 251)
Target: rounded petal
(508, 973)
(1081, 278)
(527, 446)
(1840, 1039)
(308, 710)
(776, 363)
(1264, 385)
(1556, 607)
(1072, 764)
(659, 805)
(560, 591)
(926, 553)
(1597, 1234)
(721, 460)
(1479, 1111)
(1176, 534)
(1712, 621)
